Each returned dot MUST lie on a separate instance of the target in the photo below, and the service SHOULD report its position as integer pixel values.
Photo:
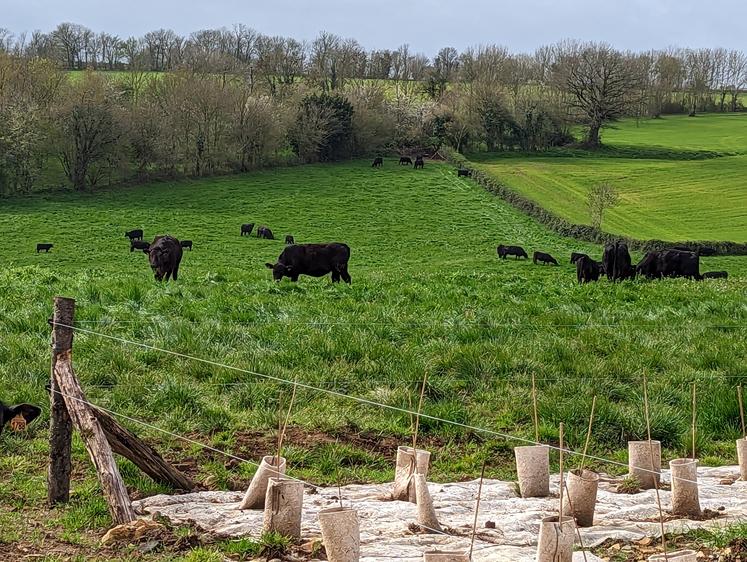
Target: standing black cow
(464, 173)
(516, 251)
(544, 258)
(378, 162)
(676, 263)
(419, 163)
(266, 233)
(289, 240)
(405, 161)
(715, 275)
(165, 255)
(18, 416)
(575, 256)
(247, 228)
(649, 265)
(617, 262)
(138, 245)
(186, 244)
(315, 260)
(44, 248)
(134, 234)
(587, 270)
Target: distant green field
(673, 178)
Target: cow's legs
(345, 276)
(335, 277)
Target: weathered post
(60, 425)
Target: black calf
(378, 162)
(186, 244)
(44, 247)
(544, 258)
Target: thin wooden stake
(560, 516)
(578, 529)
(741, 409)
(281, 435)
(694, 421)
(651, 451)
(536, 417)
(417, 418)
(477, 509)
(588, 433)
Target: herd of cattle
(617, 264)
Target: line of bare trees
(234, 100)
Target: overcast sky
(521, 25)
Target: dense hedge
(581, 231)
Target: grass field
(679, 178)
(428, 296)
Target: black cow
(575, 256)
(419, 163)
(165, 255)
(676, 263)
(464, 173)
(247, 228)
(186, 244)
(516, 251)
(289, 239)
(44, 247)
(617, 262)
(18, 416)
(715, 275)
(649, 265)
(138, 245)
(315, 260)
(264, 232)
(405, 161)
(707, 251)
(378, 162)
(544, 258)
(587, 270)
(134, 234)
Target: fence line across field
(360, 400)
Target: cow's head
(17, 416)
(279, 270)
(158, 258)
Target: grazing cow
(264, 232)
(715, 275)
(186, 244)
(516, 251)
(676, 263)
(378, 162)
(289, 240)
(405, 161)
(134, 234)
(544, 258)
(315, 260)
(138, 245)
(575, 256)
(247, 228)
(419, 163)
(649, 265)
(18, 416)
(44, 247)
(165, 255)
(617, 262)
(464, 173)
(587, 270)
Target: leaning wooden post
(84, 419)
(60, 426)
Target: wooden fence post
(61, 427)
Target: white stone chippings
(384, 524)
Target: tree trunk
(592, 137)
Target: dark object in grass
(247, 228)
(516, 251)
(44, 247)
(138, 245)
(165, 255)
(419, 163)
(266, 233)
(617, 262)
(378, 162)
(464, 173)
(289, 240)
(186, 244)
(587, 270)
(136, 234)
(575, 256)
(543, 257)
(18, 416)
(315, 260)
(715, 275)
(405, 161)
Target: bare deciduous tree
(601, 197)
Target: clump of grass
(629, 485)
